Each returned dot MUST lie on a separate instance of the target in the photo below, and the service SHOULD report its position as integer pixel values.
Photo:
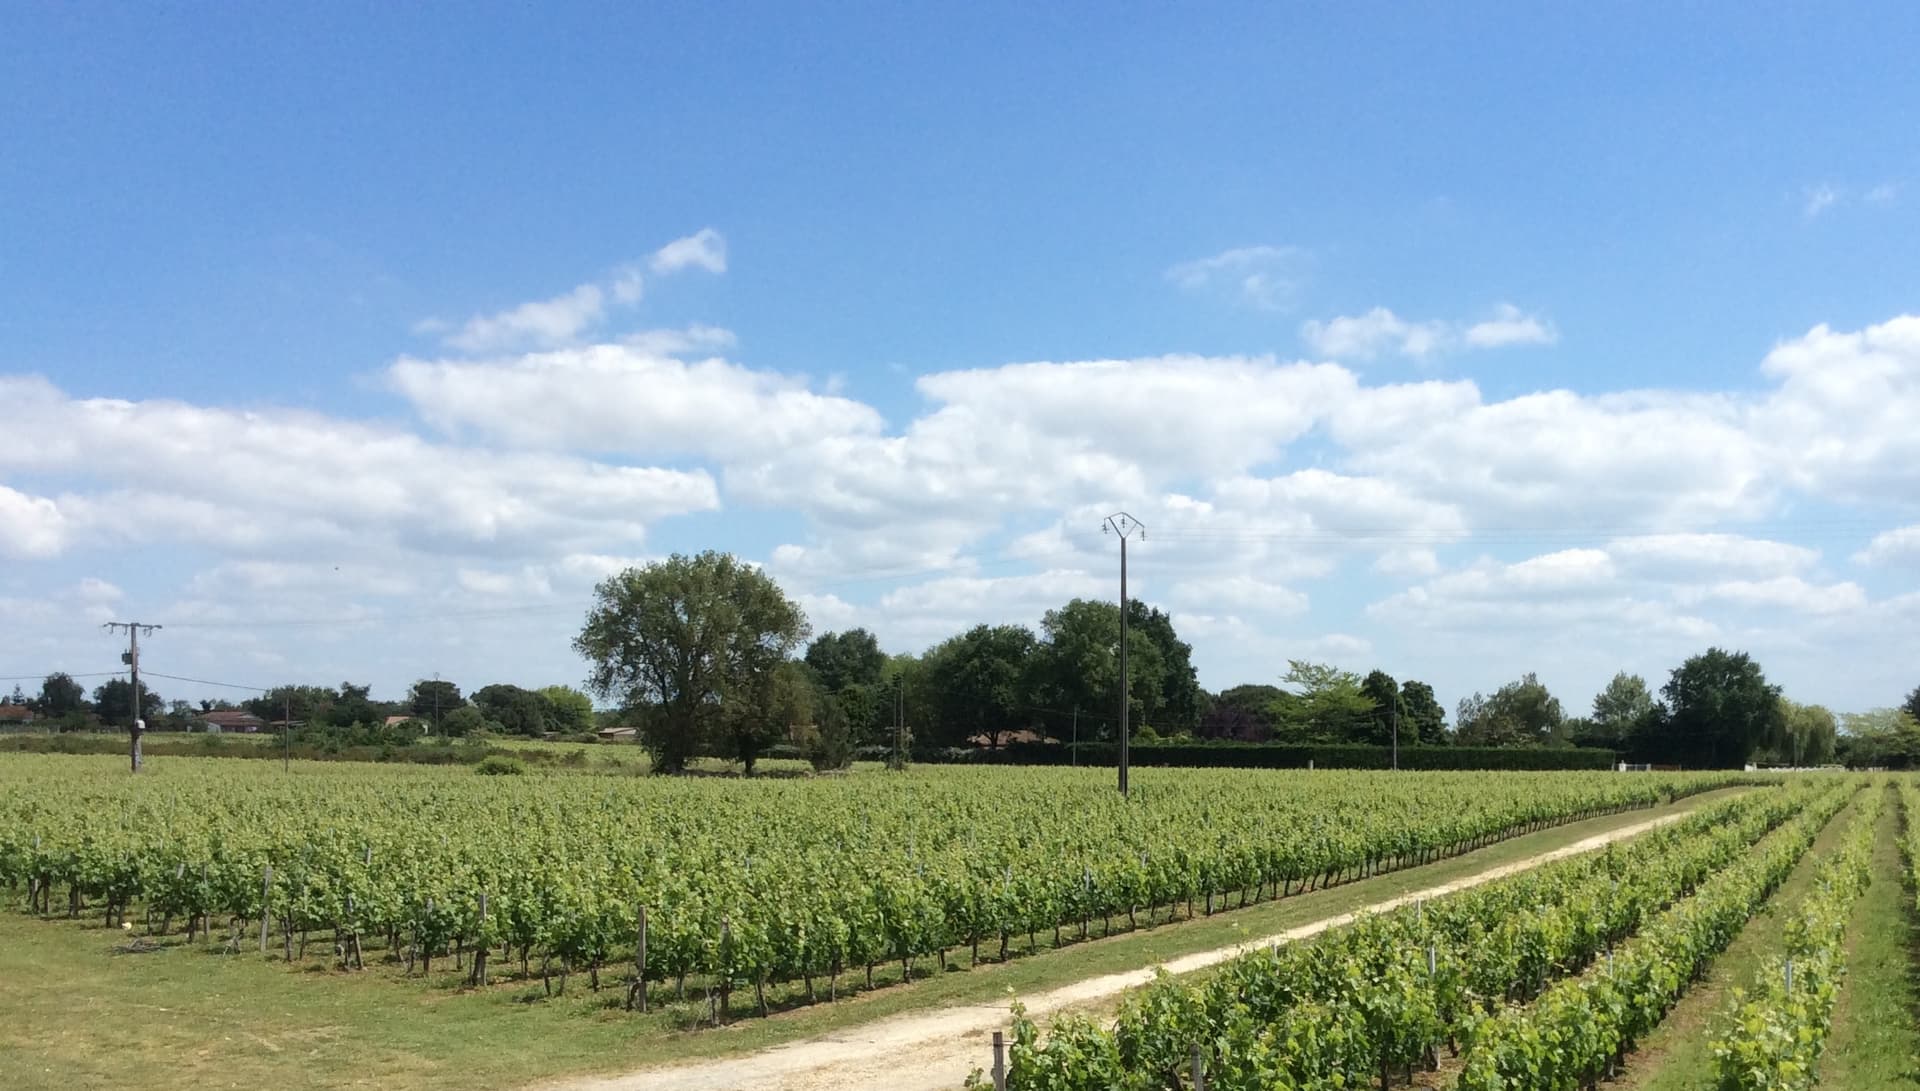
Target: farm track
(936, 1050)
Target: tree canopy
(1520, 713)
(680, 641)
(1720, 710)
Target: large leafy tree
(776, 706)
(1912, 705)
(113, 699)
(1078, 666)
(980, 681)
(571, 710)
(1622, 711)
(431, 699)
(1424, 711)
(519, 711)
(60, 695)
(1720, 710)
(1181, 700)
(1806, 734)
(1323, 704)
(681, 640)
(851, 658)
(1883, 737)
(1520, 713)
(1244, 713)
(1387, 718)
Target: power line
(49, 674)
(205, 682)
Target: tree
(1807, 734)
(60, 695)
(571, 711)
(431, 700)
(1911, 707)
(1621, 712)
(1520, 713)
(1247, 713)
(301, 704)
(1384, 719)
(1181, 700)
(19, 698)
(677, 640)
(1720, 709)
(852, 658)
(778, 706)
(1886, 738)
(518, 711)
(979, 681)
(1423, 709)
(1077, 666)
(1326, 704)
(831, 744)
(114, 701)
(463, 721)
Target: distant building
(12, 715)
(233, 720)
(396, 721)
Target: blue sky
(1465, 340)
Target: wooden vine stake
(266, 891)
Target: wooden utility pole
(131, 657)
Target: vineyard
(1544, 981)
(739, 886)
(720, 900)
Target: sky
(358, 341)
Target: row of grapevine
(743, 883)
(1387, 993)
(1778, 1027)
(1579, 1031)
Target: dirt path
(934, 1051)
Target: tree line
(707, 655)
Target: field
(430, 907)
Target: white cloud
(705, 249)
(623, 399)
(1709, 555)
(1511, 326)
(1380, 332)
(1898, 546)
(1883, 194)
(1245, 593)
(1784, 593)
(288, 480)
(30, 526)
(1267, 278)
(543, 322)
(1818, 199)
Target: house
(396, 721)
(616, 734)
(15, 715)
(233, 720)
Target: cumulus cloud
(285, 479)
(1819, 199)
(1380, 332)
(1898, 546)
(30, 526)
(621, 398)
(1266, 278)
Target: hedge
(1280, 756)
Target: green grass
(1678, 1056)
(75, 1014)
(1876, 1021)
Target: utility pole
(1396, 732)
(1123, 525)
(1074, 754)
(131, 657)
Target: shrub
(499, 765)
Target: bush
(499, 765)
